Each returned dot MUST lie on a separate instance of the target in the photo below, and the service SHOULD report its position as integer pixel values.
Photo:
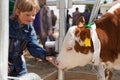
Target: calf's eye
(69, 48)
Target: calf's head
(77, 47)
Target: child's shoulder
(12, 21)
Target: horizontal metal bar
(83, 2)
(15, 78)
(53, 3)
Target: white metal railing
(4, 32)
(61, 5)
(15, 78)
(95, 10)
(3, 39)
(53, 3)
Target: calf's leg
(108, 74)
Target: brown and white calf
(84, 44)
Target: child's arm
(34, 47)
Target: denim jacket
(20, 38)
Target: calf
(97, 42)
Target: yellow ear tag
(87, 42)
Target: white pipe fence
(4, 39)
(61, 5)
(4, 32)
(62, 24)
(53, 3)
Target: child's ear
(80, 21)
(17, 11)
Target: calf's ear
(80, 22)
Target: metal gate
(62, 5)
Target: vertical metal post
(69, 3)
(61, 5)
(3, 39)
(95, 10)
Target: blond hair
(25, 5)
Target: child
(22, 36)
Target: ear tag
(87, 42)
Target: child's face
(26, 17)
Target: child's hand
(52, 60)
(50, 32)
